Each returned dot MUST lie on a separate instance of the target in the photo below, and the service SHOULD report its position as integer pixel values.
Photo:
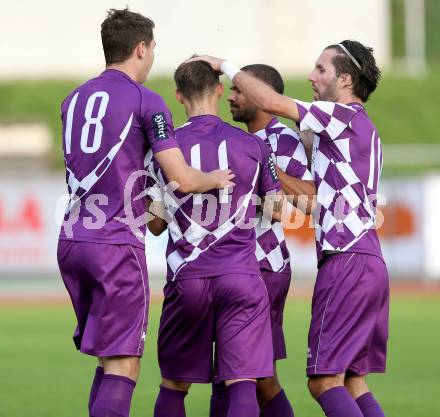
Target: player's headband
(352, 58)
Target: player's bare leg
(272, 398)
(358, 389)
(171, 398)
(319, 384)
(126, 366)
(116, 385)
(332, 396)
(234, 381)
(356, 385)
(268, 388)
(175, 385)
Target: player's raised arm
(262, 95)
(191, 180)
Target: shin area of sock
(337, 402)
(114, 397)
(170, 403)
(243, 399)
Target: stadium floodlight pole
(415, 37)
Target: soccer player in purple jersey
(349, 327)
(214, 291)
(109, 124)
(289, 156)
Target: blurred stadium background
(47, 48)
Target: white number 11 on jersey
(222, 164)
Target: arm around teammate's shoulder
(160, 132)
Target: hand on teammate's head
(211, 60)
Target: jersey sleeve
(268, 177)
(291, 155)
(158, 123)
(325, 118)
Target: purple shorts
(349, 327)
(277, 287)
(230, 310)
(108, 287)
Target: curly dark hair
(121, 31)
(366, 78)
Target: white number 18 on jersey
(90, 121)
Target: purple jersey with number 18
(109, 124)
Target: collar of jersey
(203, 117)
(271, 123)
(355, 103)
(118, 73)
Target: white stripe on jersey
(223, 229)
(372, 164)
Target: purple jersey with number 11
(214, 234)
(109, 124)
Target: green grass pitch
(41, 374)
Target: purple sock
(219, 401)
(99, 373)
(278, 406)
(114, 397)
(243, 399)
(170, 403)
(337, 402)
(369, 406)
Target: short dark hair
(267, 74)
(194, 79)
(121, 31)
(366, 78)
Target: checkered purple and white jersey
(346, 166)
(214, 233)
(289, 155)
(109, 124)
